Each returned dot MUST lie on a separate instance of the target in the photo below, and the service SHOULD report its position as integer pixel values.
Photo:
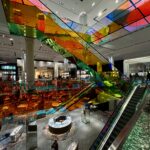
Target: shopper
(55, 145)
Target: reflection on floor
(83, 133)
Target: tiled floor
(81, 132)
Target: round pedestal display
(60, 124)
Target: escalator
(103, 142)
(76, 98)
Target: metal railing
(112, 118)
(120, 139)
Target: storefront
(8, 72)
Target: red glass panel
(148, 18)
(131, 17)
(136, 25)
(144, 7)
(41, 25)
(135, 1)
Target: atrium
(74, 74)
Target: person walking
(55, 145)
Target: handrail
(128, 127)
(87, 87)
(117, 118)
(92, 85)
(112, 117)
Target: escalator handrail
(87, 87)
(112, 117)
(79, 95)
(120, 139)
(117, 118)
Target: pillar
(55, 69)
(29, 69)
(83, 21)
(111, 60)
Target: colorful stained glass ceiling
(131, 16)
(27, 20)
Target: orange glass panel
(26, 2)
(114, 27)
(17, 1)
(29, 16)
(125, 6)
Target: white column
(111, 60)
(55, 69)
(23, 67)
(126, 68)
(30, 62)
(83, 21)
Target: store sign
(7, 67)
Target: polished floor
(83, 133)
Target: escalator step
(123, 121)
(106, 147)
(126, 115)
(130, 110)
(116, 132)
(111, 139)
(131, 105)
(120, 125)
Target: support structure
(30, 62)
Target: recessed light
(116, 1)
(93, 4)
(99, 14)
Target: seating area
(14, 100)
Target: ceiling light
(99, 14)
(116, 1)
(56, 12)
(93, 4)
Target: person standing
(55, 145)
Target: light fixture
(93, 4)
(56, 12)
(99, 14)
(116, 1)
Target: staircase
(125, 117)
